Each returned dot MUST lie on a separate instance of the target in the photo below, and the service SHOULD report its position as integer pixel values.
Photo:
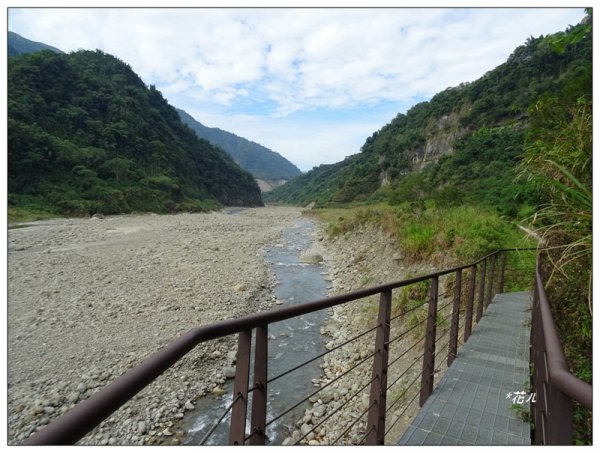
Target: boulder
(312, 258)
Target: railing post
(559, 417)
(537, 380)
(481, 291)
(453, 344)
(429, 349)
(259, 394)
(237, 430)
(504, 256)
(470, 302)
(377, 401)
(490, 282)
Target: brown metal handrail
(81, 419)
(552, 381)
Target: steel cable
(214, 426)
(335, 411)
(321, 388)
(405, 371)
(285, 373)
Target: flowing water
(291, 342)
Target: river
(291, 342)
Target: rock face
(442, 135)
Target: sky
(311, 84)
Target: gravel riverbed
(90, 298)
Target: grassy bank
(439, 236)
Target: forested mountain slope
(264, 164)
(86, 135)
(462, 145)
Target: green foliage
(437, 235)
(85, 134)
(410, 297)
(462, 146)
(461, 232)
(558, 161)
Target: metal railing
(552, 382)
(460, 307)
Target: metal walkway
(470, 405)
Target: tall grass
(438, 236)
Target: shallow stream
(291, 342)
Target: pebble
(73, 397)
(305, 429)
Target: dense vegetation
(558, 160)
(517, 142)
(261, 162)
(86, 135)
(466, 141)
(430, 234)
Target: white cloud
(281, 61)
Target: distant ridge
(269, 168)
(17, 45)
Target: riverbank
(363, 257)
(90, 298)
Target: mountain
(86, 135)
(270, 169)
(18, 45)
(461, 146)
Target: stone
(240, 287)
(81, 387)
(312, 258)
(49, 410)
(305, 429)
(73, 397)
(326, 395)
(229, 372)
(232, 357)
(167, 432)
(218, 391)
(319, 411)
(188, 405)
(142, 427)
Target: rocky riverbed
(90, 298)
(337, 416)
